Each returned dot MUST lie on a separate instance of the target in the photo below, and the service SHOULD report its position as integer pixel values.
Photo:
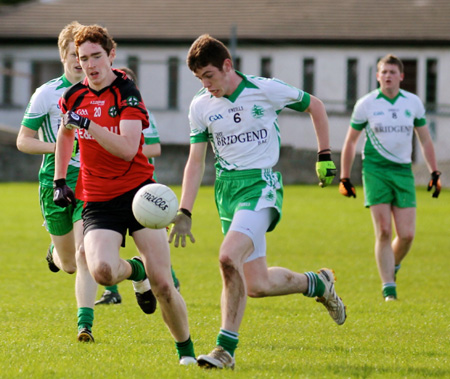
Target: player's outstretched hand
(346, 188)
(180, 229)
(435, 182)
(63, 195)
(325, 169)
(73, 120)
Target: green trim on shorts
(247, 189)
(58, 221)
(394, 187)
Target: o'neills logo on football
(158, 201)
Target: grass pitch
(281, 337)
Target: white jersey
(44, 115)
(389, 126)
(243, 128)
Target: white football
(155, 206)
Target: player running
(389, 115)
(107, 111)
(238, 115)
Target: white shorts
(254, 224)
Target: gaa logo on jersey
(112, 111)
(132, 101)
(257, 111)
(408, 113)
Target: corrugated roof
(281, 20)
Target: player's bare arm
(28, 143)
(193, 175)
(349, 151)
(152, 151)
(426, 144)
(319, 119)
(64, 147)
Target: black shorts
(115, 214)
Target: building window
(173, 83)
(409, 83)
(7, 81)
(266, 67)
(308, 75)
(43, 71)
(431, 85)
(352, 83)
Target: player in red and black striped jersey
(105, 175)
(107, 111)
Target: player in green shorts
(64, 225)
(389, 115)
(238, 113)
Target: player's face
(216, 81)
(72, 68)
(96, 64)
(389, 77)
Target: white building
(326, 47)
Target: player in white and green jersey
(389, 116)
(237, 114)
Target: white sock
(141, 286)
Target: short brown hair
(66, 36)
(390, 59)
(95, 34)
(207, 50)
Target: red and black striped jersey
(103, 176)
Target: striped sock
(185, 349)
(316, 288)
(228, 340)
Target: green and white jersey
(44, 115)
(151, 135)
(389, 126)
(243, 128)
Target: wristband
(59, 183)
(324, 157)
(185, 212)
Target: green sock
(228, 340)
(316, 287)
(176, 282)
(185, 349)
(389, 289)
(138, 270)
(85, 318)
(113, 289)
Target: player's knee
(103, 275)
(407, 239)
(256, 291)
(68, 267)
(228, 266)
(384, 233)
(162, 289)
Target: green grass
(280, 337)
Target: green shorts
(58, 221)
(394, 187)
(247, 189)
